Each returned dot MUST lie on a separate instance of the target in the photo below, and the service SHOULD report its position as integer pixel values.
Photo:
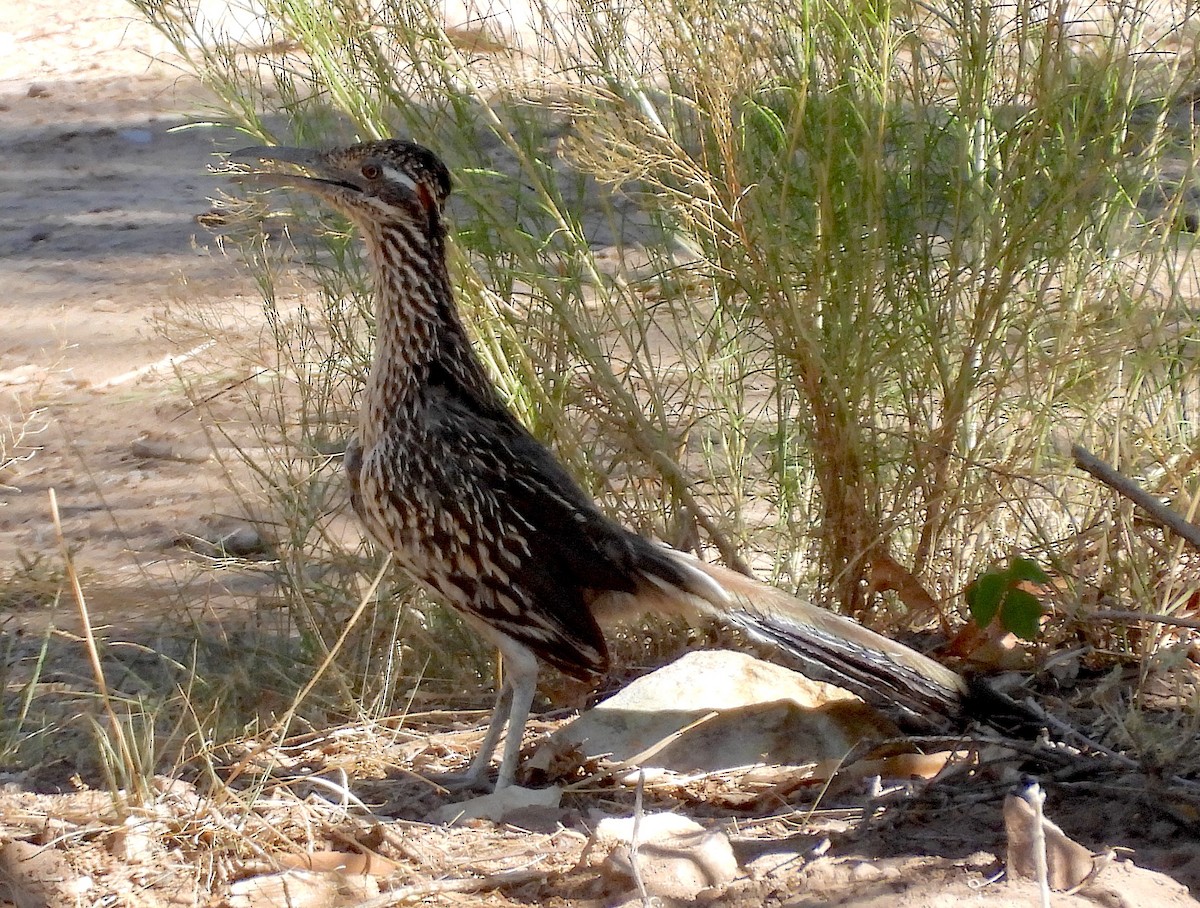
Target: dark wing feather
(561, 550)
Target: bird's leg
(477, 772)
(522, 669)
(512, 710)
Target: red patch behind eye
(426, 198)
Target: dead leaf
(301, 889)
(347, 862)
(1068, 863)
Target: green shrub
(875, 267)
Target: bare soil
(98, 209)
(99, 198)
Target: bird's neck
(420, 339)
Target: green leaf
(985, 595)
(770, 119)
(1022, 614)
(1028, 570)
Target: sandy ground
(99, 196)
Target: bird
(482, 515)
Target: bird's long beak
(314, 173)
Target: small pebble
(158, 449)
(864, 873)
(244, 541)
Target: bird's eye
(371, 171)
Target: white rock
(676, 857)
(764, 714)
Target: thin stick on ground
(1037, 800)
(635, 842)
(420, 891)
(1130, 617)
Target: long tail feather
(830, 646)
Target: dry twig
(419, 891)
(1123, 485)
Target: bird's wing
(537, 547)
(570, 552)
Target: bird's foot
(497, 805)
(472, 780)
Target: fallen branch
(419, 891)
(1131, 617)
(1126, 487)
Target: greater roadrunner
(481, 514)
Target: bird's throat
(410, 289)
(421, 344)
